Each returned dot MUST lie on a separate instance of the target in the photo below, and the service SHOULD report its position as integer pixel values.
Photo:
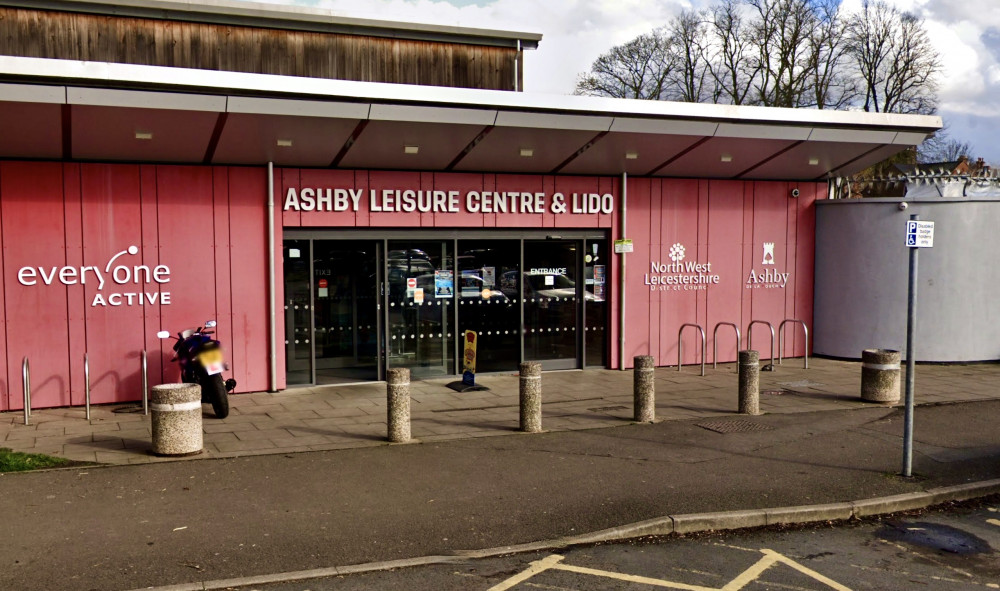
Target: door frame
(519, 235)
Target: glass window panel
(596, 264)
(298, 315)
(489, 301)
(551, 301)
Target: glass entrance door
(346, 310)
(297, 255)
(421, 286)
(552, 296)
(489, 301)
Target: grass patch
(15, 461)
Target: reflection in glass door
(346, 310)
(551, 302)
(596, 263)
(489, 301)
(298, 312)
(420, 275)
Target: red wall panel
(33, 235)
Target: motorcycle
(202, 363)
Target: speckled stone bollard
(175, 411)
(531, 397)
(749, 368)
(880, 375)
(398, 407)
(644, 389)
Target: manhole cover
(734, 426)
(607, 408)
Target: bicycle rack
(781, 335)
(86, 381)
(750, 337)
(145, 384)
(26, 380)
(715, 341)
(680, 346)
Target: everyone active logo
(119, 274)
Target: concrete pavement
(343, 417)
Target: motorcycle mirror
(210, 324)
(163, 334)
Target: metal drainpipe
(621, 281)
(272, 323)
(516, 63)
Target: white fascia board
(414, 114)
(553, 121)
(767, 132)
(908, 139)
(664, 126)
(295, 108)
(138, 99)
(856, 136)
(28, 93)
(504, 101)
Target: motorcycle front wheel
(216, 391)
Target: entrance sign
(919, 234)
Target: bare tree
(943, 147)
(686, 43)
(637, 69)
(731, 59)
(896, 64)
(782, 32)
(831, 83)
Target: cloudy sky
(967, 35)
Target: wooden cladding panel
(72, 36)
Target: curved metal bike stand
(145, 384)
(750, 337)
(715, 342)
(781, 335)
(26, 380)
(86, 381)
(680, 346)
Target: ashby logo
(679, 274)
(769, 277)
(138, 275)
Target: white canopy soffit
(59, 109)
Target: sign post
(918, 235)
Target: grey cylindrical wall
(861, 279)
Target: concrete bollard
(398, 406)
(644, 388)
(176, 419)
(749, 370)
(880, 373)
(531, 397)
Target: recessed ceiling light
(727, 158)
(284, 143)
(813, 161)
(527, 152)
(411, 149)
(144, 135)
(631, 155)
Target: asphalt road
(136, 526)
(956, 549)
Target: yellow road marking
(532, 570)
(770, 558)
(995, 522)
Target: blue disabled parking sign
(919, 234)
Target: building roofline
(254, 14)
(576, 111)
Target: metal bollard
(749, 368)
(397, 386)
(86, 382)
(531, 396)
(145, 385)
(644, 388)
(26, 381)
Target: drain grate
(607, 408)
(734, 426)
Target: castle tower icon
(768, 254)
